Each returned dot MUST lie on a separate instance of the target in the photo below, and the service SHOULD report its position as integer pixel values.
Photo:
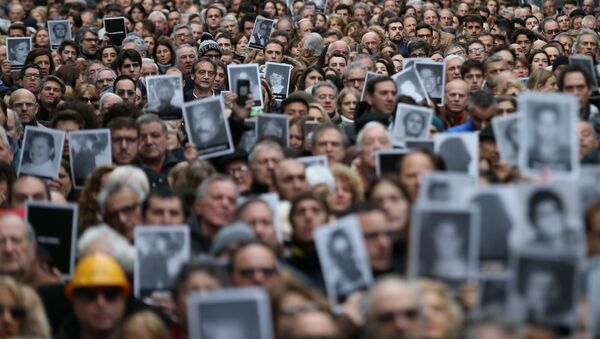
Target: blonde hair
(538, 78)
(324, 114)
(35, 323)
(514, 83)
(452, 309)
(346, 174)
(146, 322)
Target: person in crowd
(257, 205)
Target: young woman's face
(312, 78)
(296, 137)
(44, 62)
(11, 325)
(40, 150)
(149, 42)
(41, 38)
(242, 45)
(108, 56)
(163, 55)
(348, 105)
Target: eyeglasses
(16, 312)
(127, 210)
(387, 317)
(553, 31)
(91, 294)
(476, 50)
(90, 99)
(90, 40)
(241, 170)
(369, 236)
(31, 76)
(251, 271)
(106, 81)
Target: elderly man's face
(374, 139)
(17, 253)
(394, 312)
(264, 164)
(122, 211)
(28, 188)
(254, 266)
(217, 207)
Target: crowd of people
(491, 51)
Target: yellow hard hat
(98, 270)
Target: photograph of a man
(59, 31)
(261, 33)
(165, 95)
(207, 128)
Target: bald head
(456, 96)
(24, 103)
(290, 178)
(338, 47)
(108, 100)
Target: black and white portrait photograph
(321, 5)
(369, 76)
(230, 313)
(433, 77)
(548, 135)
(88, 149)
(116, 29)
(444, 243)
(408, 82)
(343, 257)
(165, 95)
(314, 160)
(248, 138)
(420, 144)
(160, 253)
(460, 152)
(261, 33)
(207, 127)
(246, 72)
(587, 63)
(593, 297)
(278, 75)
(589, 185)
(446, 188)
(550, 218)
(411, 122)
(544, 289)
(388, 161)
(58, 31)
(41, 152)
(410, 62)
(497, 219)
(17, 50)
(493, 293)
(274, 125)
(55, 226)
(506, 131)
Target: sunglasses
(16, 312)
(91, 294)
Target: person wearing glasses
(22, 311)
(393, 310)
(125, 88)
(254, 264)
(31, 76)
(121, 204)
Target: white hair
(319, 174)
(106, 238)
(370, 125)
(130, 174)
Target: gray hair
(105, 96)
(116, 244)
(322, 84)
(113, 187)
(265, 144)
(177, 51)
(180, 26)
(133, 174)
(327, 126)
(369, 126)
(454, 45)
(102, 70)
(157, 13)
(582, 32)
(203, 188)
(230, 18)
(543, 23)
(452, 57)
(587, 19)
(138, 41)
(491, 60)
(330, 47)
(361, 5)
(150, 118)
(351, 66)
(314, 44)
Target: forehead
(393, 295)
(254, 254)
(52, 84)
(150, 127)
(124, 83)
(12, 225)
(156, 201)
